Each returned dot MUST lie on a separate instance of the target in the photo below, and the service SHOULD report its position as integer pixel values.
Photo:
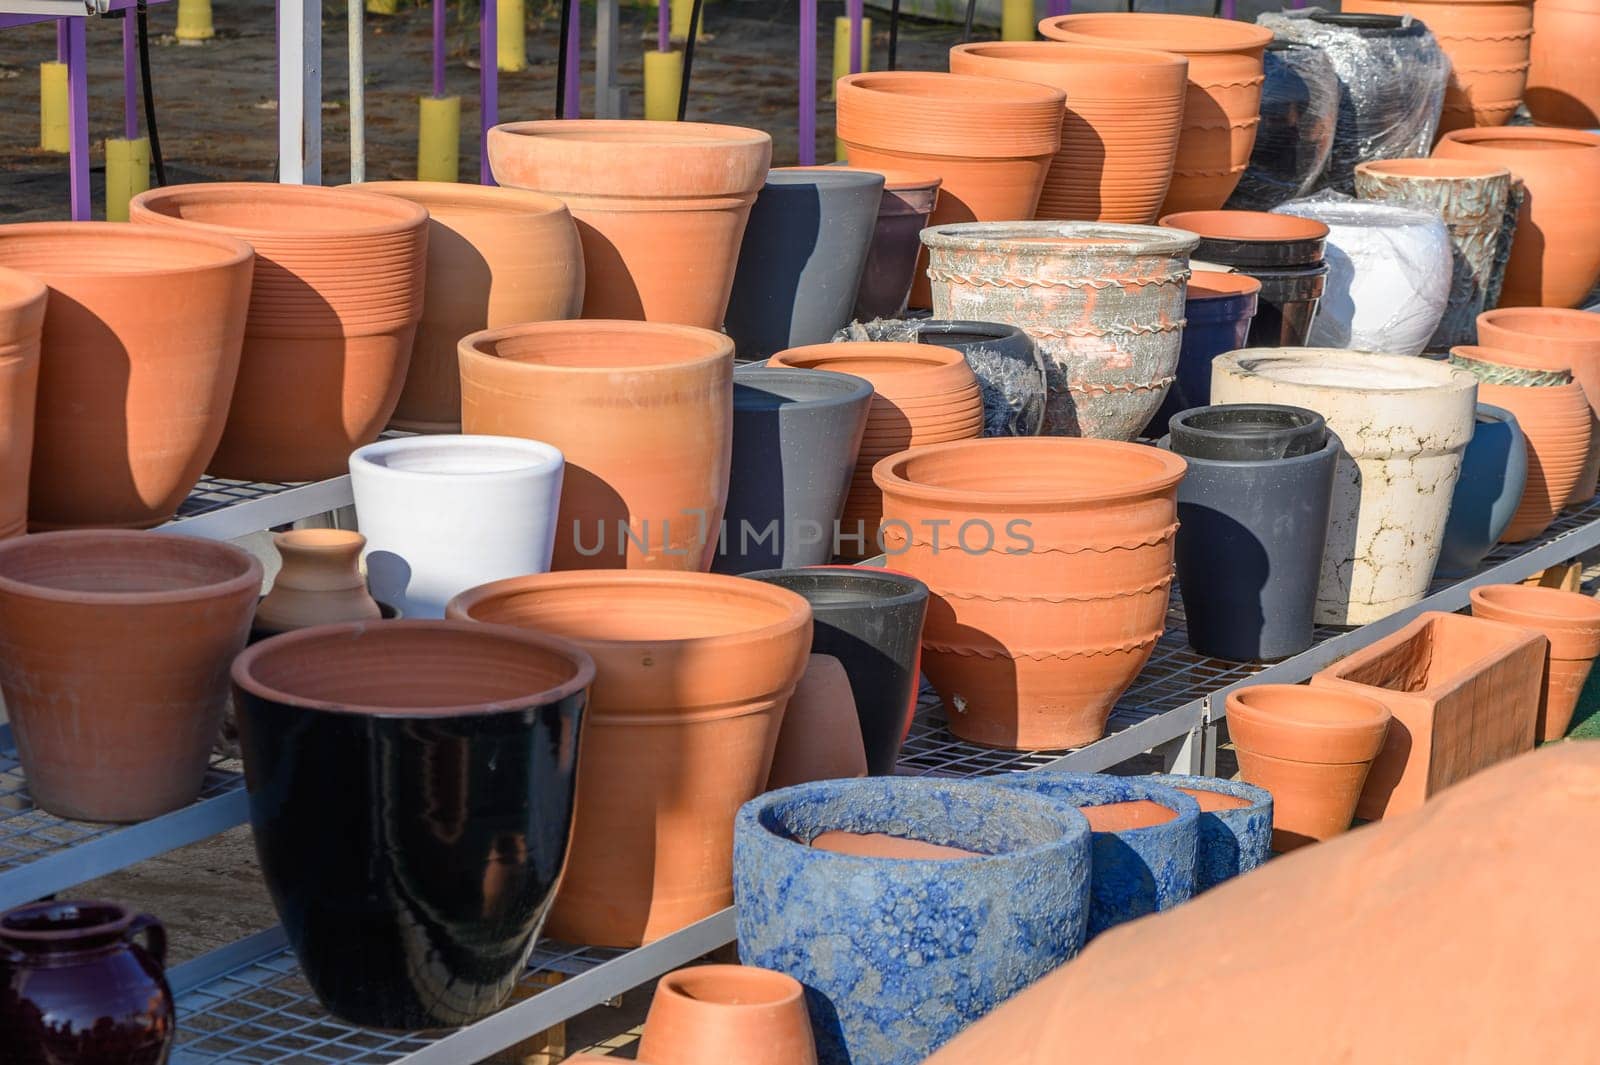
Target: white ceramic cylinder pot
(1404, 423)
(446, 513)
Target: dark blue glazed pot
(1494, 471)
(411, 794)
(1235, 826)
(1144, 858)
(1217, 311)
(898, 955)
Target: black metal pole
(149, 96)
(972, 11)
(688, 60)
(894, 30)
(561, 57)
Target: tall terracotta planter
(334, 308)
(643, 413)
(496, 257)
(1555, 258)
(1119, 137)
(693, 672)
(1571, 622)
(1103, 303)
(138, 358)
(1563, 82)
(22, 302)
(1049, 563)
(661, 207)
(1222, 107)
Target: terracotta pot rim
(1255, 227)
(392, 215)
(641, 134)
(1059, 454)
(972, 90)
(1161, 31)
(1433, 377)
(1363, 711)
(1516, 137)
(71, 542)
(1504, 317)
(629, 336)
(236, 251)
(1571, 611)
(113, 926)
(491, 198)
(537, 457)
(1049, 53)
(1507, 357)
(19, 289)
(892, 352)
(1435, 168)
(1033, 239)
(784, 989)
(1205, 285)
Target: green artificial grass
(1586, 719)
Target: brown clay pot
(643, 413)
(1222, 106)
(319, 583)
(138, 358)
(1570, 621)
(334, 308)
(661, 207)
(496, 257)
(1555, 255)
(821, 734)
(1312, 748)
(728, 1013)
(1049, 576)
(22, 300)
(693, 673)
(114, 655)
(1563, 80)
(1119, 139)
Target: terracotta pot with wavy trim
(22, 302)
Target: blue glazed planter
(1494, 470)
(1217, 319)
(1137, 871)
(1233, 839)
(898, 955)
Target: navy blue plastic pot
(1235, 826)
(1217, 311)
(1494, 471)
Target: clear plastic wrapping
(1299, 111)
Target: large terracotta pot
(991, 141)
(1049, 576)
(1571, 622)
(1103, 303)
(661, 207)
(138, 357)
(1555, 258)
(643, 413)
(1222, 106)
(1119, 138)
(496, 257)
(694, 671)
(334, 308)
(728, 1013)
(1563, 81)
(22, 300)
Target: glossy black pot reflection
(411, 793)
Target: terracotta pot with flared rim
(22, 303)
(1104, 303)
(442, 514)
(729, 1013)
(334, 307)
(694, 673)
(1235, 826)
(1312, 749)
(1252, 238)
(643, 412)
(114, 652)
(496, 257)
(138, 357)
(1049, 582)
(1555, 255)
(1563, 85)
(660, 206)
(1218, 309)
(1494, 474)
(1222, 103)
(821, 734)
(411, 795)
(1124, 110)
(319, 583)
(1570, 621)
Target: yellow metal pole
(841, 46)
(439, 139)
(194, 21)
(53, 132)
(681, 12)
(383, 7)
(1017, 20)
(663, 80)
(127, 174)
(512, 26)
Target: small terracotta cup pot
(1312, 749)
(1570, 621)
(728, 1013)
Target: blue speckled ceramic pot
(898, 955)
(1137, 871)
(1234, 839)
(1494, 470)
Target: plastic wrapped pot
(1494, 470)
(1235, 826)
(1299, 109)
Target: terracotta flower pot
(821, 734)
(1119, 138)
(643, 413)
(710, 1013)
(496, 257)
(22, 300)
(991, 141)
(1312, 748)
(1571, 622)
(114, 652)
(1555, 258)
(661, 207)
(1563, 84)
(694, 672)
(1222, 106)
(1049, 583)
(138, 358)
(319, 583)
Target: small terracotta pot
(821, 734)
(1563, 84)
(22, 300)
(1570, 621)
(319, 583)
(728, 1013)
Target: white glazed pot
(1389, 274)
(1404, 423)
(446, 513)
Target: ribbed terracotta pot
(1563, 82)
(1119, 137)
(728, 1013)
(693, 672)
(1555, 258)
(22, 301)
(661, 207)
(334, 307)
(643, 413)
(1222, 107)
(1049, 563)
(1570, 621)
(496, 257)
(1103, 303)
(138, 359)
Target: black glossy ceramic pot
(1288, 304)
(1299, 110)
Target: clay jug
(728, 1013)
(22, 300)
(320, 582)
(821, 734)
(1571, 622)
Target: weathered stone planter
(1235, 826)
